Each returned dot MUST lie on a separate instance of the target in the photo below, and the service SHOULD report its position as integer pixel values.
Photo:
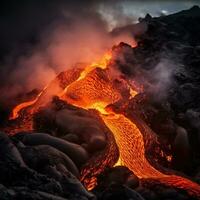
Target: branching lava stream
(94, 89)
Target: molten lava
(95, 89)
(91, 91)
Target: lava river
(94, 89)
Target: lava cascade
(93, 89)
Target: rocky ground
(166, 62)
(46, 164)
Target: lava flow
(95, 89)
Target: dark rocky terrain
(167, 62)
(46, 164)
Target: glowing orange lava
(18, 108)
(94, 89)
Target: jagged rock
(165, 63)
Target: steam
(161, 78)
(156, 80)
(44, 38)
(77, 34)
(116, 15)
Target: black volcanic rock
(119, 192)
(21, 178)
(74, 151)
(41, 156)
(71, 124)
(9, 153)
(181, 149)
(166, 63)
(118, 175)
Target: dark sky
(23, 20)
(139, 8)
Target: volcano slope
(179, 115)
(167, 61)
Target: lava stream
(130, 142)
(131, 146)
(93, 88)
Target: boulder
(76, 153)
(41, 156)
(86, 127)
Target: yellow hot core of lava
(102, 63)
(94, 90)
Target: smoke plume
(38, 39)
(46, 38)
